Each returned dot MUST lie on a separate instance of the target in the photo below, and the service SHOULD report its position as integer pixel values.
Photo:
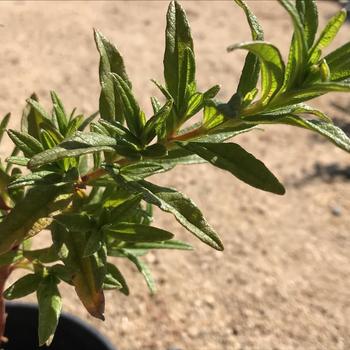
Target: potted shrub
(84, 180)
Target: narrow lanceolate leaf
(81, 143)
(39, 109)
(57, 153)
(326, 129)
(110, 62)
(309, 16)
(130, 232)
(179, 245)
(88, 281)
(25, 142)
(141, 170)
(339, 62)
(300, 108)
(50, 305)
(131, 110)
(298, 53)
(330, 131)
(26, 285)
(143, 268)
(30, 215)
(240, 163)
(10, 257)
(327, 35)
(87, 273)
(18, 161)
(157, 123)
(59, 113)
(3, 124)
(114, 272)
(38, 178)
(272, 66)
(177, 41)
(187, 83)
(174, 202)
(33, 116)
(315, 90)
(250, 73)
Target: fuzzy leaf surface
(50, 305)
(240, 163)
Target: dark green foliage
(88, 188)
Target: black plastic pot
(71, 333)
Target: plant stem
(190, 135)
(96, 174)
(4, 274)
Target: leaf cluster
(85, 179)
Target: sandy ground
(283, 280)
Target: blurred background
(283, 280)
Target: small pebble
(336, 210)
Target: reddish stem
(190, 135)
(4, 274)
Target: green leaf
(187, 84)
(240, 163)
(44, 255)
(18, 161)
(309, 16)
(300, 108)
(142, 170)
(75, 221)
(328, 130)
(88, 273)
(327, 35)
(61, 272)
(94, 242)
(10, 257)
(31, 214)
(24, 286)
(110, 62)
(124, 209)
(339, 62)
(73, 125)
(47, 140)
(38, 178)
(129, 232)
(178, 41)
(25, 142)
(59, 113)
(50, 305)
(315, 90)
(154, 151)
(39, 109)
(298, 54)
(131, 110)
(88, 120)
(114, 272)
(3, 124)
(32, 117)
(156, 125)
(173, 244)
(156, 106)
(174, 202)
(143, 268)
(250, 72)
(272, 66)
(110, 282)
(81, 143)
(178, 156)
(199, 100)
